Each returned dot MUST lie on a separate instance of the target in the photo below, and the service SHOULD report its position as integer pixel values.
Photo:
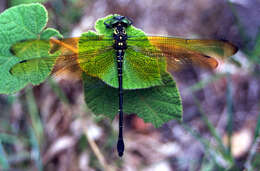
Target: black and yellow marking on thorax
(120, 37)
(120, 45)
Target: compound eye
(116, 31)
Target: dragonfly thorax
(119, 24)
(120, 37)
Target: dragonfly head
(117, 20)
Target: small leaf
(23, 22)
(156, 105)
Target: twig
(96, 151)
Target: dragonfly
(177, 52)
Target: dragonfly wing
(65, 62)
(58, 66)
(68, 46)
(181, 52)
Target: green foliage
(156, 105)
(18, 2)
(22, 23)
(33, 63)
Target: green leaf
(18, 2)
(139, 71)
(23, 22)
(156, 105)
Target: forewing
(181, 52)
(61, 59)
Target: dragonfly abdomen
(120, 143)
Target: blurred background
(48, 127)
